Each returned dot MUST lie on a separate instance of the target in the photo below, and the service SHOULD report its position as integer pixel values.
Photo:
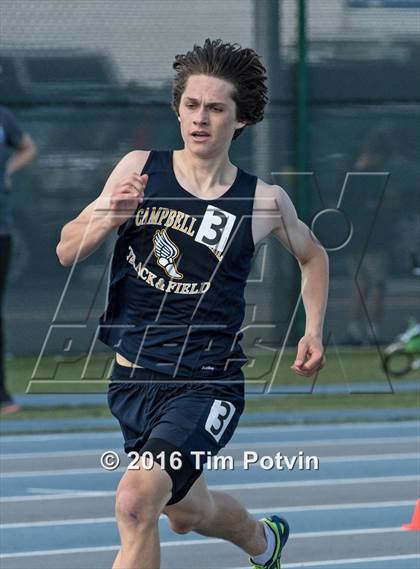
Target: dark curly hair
(241, 66)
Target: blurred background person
(371, 202)
(23, 152)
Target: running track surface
(57, 502)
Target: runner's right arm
(119, 199)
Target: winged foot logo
(166, 253)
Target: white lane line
(74, 522)
(391, 426)
(328, 442)
(54, 454)
(254, 511)
(336, 426)
(33, 490)
(259, 444)
(44, 552)
(325, 482)
(82, 435)
(341, 532)
(349, 458)
(348, 561)
(245, 486)
(200, 541)
(327, 459)
(58, 495)
(69, 471)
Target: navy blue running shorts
(160, 414)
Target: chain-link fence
(91, 81)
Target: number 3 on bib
(220, 415)
(215, 228)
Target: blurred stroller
(403, 355)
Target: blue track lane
(91, 535)
(104, 480)
(75, 441)
(104, 534)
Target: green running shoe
(280, 528)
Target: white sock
(271, 544)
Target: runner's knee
(140, 501)
(135, 508)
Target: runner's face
(207, 107)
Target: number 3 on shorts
(221, 413)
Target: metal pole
(267, 40)
(302, 197)
(301, 115)
(266, 17)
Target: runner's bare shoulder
(266, 212)
(132, 162)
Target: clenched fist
(125, 198)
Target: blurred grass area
(344, 367)
(326, 402)
(43, 413)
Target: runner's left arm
(314, 266)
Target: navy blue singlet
(180, 265)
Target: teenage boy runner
(188, 221)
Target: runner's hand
(125, 198)
(310, 356)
